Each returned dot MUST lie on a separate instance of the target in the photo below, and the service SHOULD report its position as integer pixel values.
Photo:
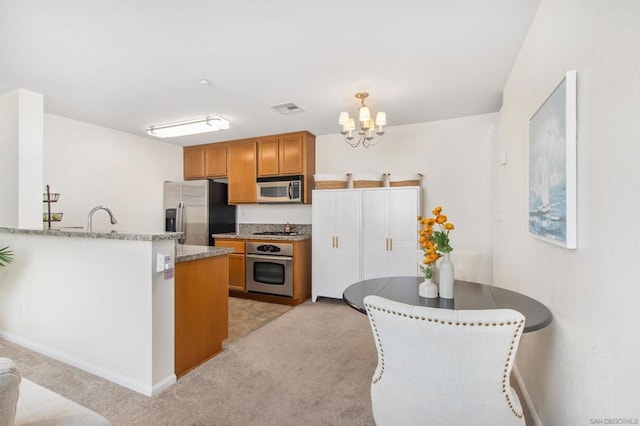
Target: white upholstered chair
(442, 366)
(467, 265)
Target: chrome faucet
(95, 209)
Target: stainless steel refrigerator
(198, 208)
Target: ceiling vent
(286, 108)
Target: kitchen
(148, 163)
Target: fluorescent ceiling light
(212, 123)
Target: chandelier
(367, 132)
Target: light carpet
(310, 366)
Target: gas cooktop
(278, 233)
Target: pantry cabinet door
(375, 232)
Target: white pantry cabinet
(390, 232)
(335, 241)
(360, 234)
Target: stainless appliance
(280, 189)
(198, 208)
(269, 268)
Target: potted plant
(6, 256)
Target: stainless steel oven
(269, 268)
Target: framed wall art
(552, 166)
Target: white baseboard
(159, 387)
(127, 382)
(526, 396)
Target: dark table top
(466, 295)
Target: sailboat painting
(552, 166)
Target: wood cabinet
(360, 234)
(390, 232)
(242, 161)
(289, 154)
(215, 160)
(242, 171)
(193, 162)
(336, 242)
(201, 311)
(236, 262)
(281, 155)
(205, 161)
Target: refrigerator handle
(180, 225)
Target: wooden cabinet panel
(193, 162)
(268, 157)
(215, 160)
(242, 172)
(281, 155)
(201, 311)
(291, 155)
(236, 245)
(237, 272)
(236, 263)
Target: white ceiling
(128, 64)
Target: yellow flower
(449, 226)
(437, 210)
(440, 219)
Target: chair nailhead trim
(509, 361)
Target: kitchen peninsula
(201, 304)
(95, 301)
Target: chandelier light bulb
(367, 126)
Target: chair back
(467, 265)
(443, 366)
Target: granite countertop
(185, 253)
(243, 236)
(80, 233)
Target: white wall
(9, 159)
(585, 365)
(91, 165)
(454, 159)
(21, 160)
(96, 304)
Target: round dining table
(466, 295)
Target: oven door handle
(266, 257)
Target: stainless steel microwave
(280, 189)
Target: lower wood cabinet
(201, 310)
(236, 262)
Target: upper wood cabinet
(289, 154)
(243, 161)
(205, 161)
(282, 155)
(215, 160)
(242, 171)
(193, 163)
